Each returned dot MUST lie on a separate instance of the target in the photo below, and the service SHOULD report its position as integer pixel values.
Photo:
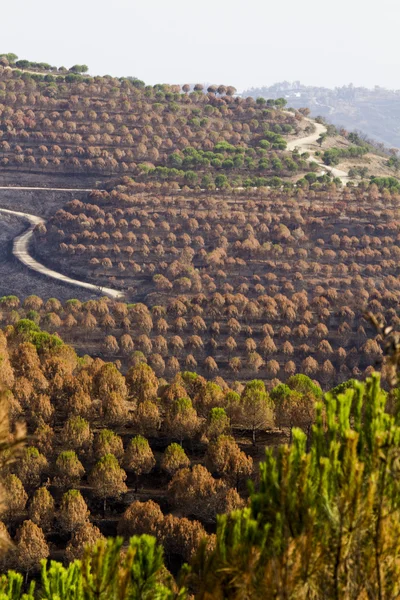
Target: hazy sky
(245, 43)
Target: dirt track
(309, 144)
(21, 252)
(47, 189)
(19, 280)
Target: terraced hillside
(55, 127)
(185, 273)
(250, 283)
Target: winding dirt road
(309, 144)
(21, 252)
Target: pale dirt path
(21, 252)
(54, 73)
(45, 189)
(309, 144)
(33, 72)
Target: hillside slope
(71, 130)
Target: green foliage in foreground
(107, 572)
(323, 523)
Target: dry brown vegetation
(268, 285)
(245, 298)
(133, 454)
(101, 126)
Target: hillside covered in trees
(73, 127)
(131, 453)
(205, 386)
(247, 284)
(279, 545)
(62, 127)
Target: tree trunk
(308, 444)
(337, 563)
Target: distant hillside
(373, 111)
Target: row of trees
(12, 60)
(173, 338)
(334, 155)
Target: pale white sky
(245, 43)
